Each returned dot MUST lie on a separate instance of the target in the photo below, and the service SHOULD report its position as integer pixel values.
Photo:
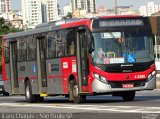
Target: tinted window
(22, 49)
(71, 42)
(57, 44)
(51, 45)
(31, 45)
(6, 51)
(61, 44)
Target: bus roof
(58, 22)
(120, 16)
(68, 23)
(45, 27)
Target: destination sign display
(121, 22)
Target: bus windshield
(122, 47)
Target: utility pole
(72, 5)
(116, 7)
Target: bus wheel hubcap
(75, 91)
(27, 92)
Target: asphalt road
(145, 106)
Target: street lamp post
(116, 8)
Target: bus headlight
(100, 78)
(153, 73)
(96, 76)
(103, 79)
(150, 76)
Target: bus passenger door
(82, 60)
(13, 67)
(41, 64)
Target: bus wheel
(77, 98)
(128, 96)
(5, 93)
(28, 93)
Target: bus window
(72, 48)
(51, 45)
(140, 44)
(71, 42)
(31, 48)
(61, 43)
(6, 51)
(22, 49)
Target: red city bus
(80, 57)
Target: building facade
(14, 18)
(143, 10)
(149, 9)
(49, 10)
(39, 11)
(91, 6)
(5, 6)
(88, 5)
(67, 9)
(31, 10)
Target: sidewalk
(158, 82)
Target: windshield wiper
(114, 38)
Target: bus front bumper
(100, 87)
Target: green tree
(69, 15)
(5, 28)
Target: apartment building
(5, 6)
(39, 11)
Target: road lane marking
(128, 109)
(12, 97)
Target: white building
(143, 10)
(78, 4)
(39, 11)
(91, 6)
(5, 6)
(67, 9)
(49, 10)
(88, 5)
(32, 12)
(149, 9)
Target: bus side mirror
(91, 49)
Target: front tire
(128, 96)
(5, 93)
(77, 98)
(28, 93)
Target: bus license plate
(128, 85)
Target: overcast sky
(16, 4)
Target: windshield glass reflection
(122, 47)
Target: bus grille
(119, 68)
(120, 84)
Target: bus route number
(139, 76)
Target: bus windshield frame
(122, 44)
